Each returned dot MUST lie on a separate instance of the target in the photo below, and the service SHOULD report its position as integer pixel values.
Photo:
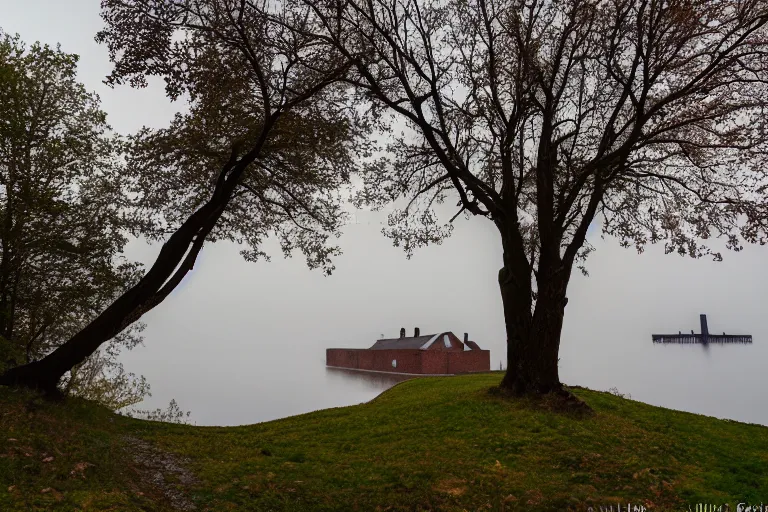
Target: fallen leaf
(535, 496)
(80, 468)
(46, 490)
(11, 488)
(48, 459)
(12, 439)
(453, 486)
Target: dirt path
(164, 471)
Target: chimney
(466, 337)
(416, 332)
(402, 332)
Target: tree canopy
(269, 139)
(63, 221)
(547, 116)
(244, 77)
(544, 116)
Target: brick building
(431, 354)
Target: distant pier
(704, 338)
(697, 338)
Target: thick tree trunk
(532, 352)
(533, 337)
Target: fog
(242, 343)
(245, 342)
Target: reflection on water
(375, 381)
(285, 384)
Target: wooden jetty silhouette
(703, 338)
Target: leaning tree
(266, 144)
(548, 116)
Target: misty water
(719, 380)
(242, 343)
(724, 381)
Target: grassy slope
(438, 443)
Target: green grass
(426, 444)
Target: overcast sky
(242, 342)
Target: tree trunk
(533, 338)
(180, 251)
(175, 260)
(532, 355)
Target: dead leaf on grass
(79, 469)
(452, 486)
(535, 497)
(641, 473)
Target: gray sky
(241, 342)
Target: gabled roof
(419, 342)
(472, 345)
(405, 343)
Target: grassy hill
(426, 444)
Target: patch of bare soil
(163, 471)
(561, 401)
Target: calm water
(317, 388)
(723, 381)
(242, 343)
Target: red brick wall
(408, 361)
(344, 357)
(434, 361)
(411, 360)
(470, 361)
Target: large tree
(548, 116)
(62, 228)
(266, 143)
